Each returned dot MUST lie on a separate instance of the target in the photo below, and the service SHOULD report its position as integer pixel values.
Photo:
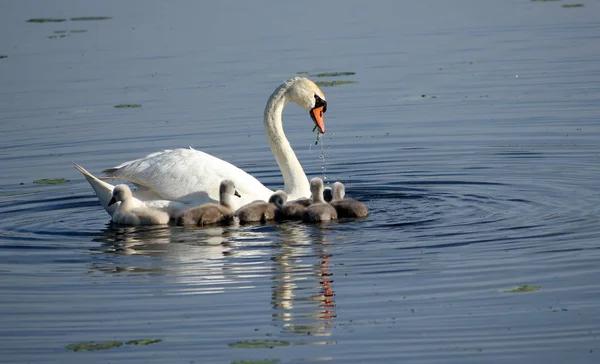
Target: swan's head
(307, 94)
(120, 193)
(278, 198)
(227, 187)
(316, 189)
(338, 191)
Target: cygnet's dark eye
(320, 102)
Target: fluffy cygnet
(261, 211)
(319, 210)
(126, 214)
(212, 213)
(347, 207)
(292, 210)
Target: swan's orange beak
(317, 115)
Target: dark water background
(472, 133)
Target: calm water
(471, 132)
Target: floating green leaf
(259, 344)
(45, 20)
(45, 181)
(91, 345)
(125, 106)
(257, 361)
(143, 342)
(334, 74)
(523, 289)
(572, 5)
(86, 18)
(333, 83)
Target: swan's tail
(103, 190)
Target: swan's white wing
(189, 176)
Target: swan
(127, 214)
(261, 211)
(192, 177)
(347, 207)
(212, 213)
(319, 210)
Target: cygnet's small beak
(112, 201)
(316, 114)
(237, 193)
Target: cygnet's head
(316, 189)
(227, 187)
(307, 94)
(338, 191)
(120, 193)
(278, 198)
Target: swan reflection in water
(303, 297)
(215, 260)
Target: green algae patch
(302, 73)
(92, 346)
(45, 181)
(521, 289)
(257, 361)
(127, 106)
(90, 18)
(334, 74)
(57, 36)
(258, 344)
(543, 1)
(333, 83)
(79, 31)
(143, 342)
(45, 20)
(572, 6)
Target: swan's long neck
(294, 179)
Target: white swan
(127, 214)
(192, 177)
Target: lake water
(472, 132)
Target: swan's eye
(320, 102)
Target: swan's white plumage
(192, 177)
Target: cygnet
(261, 211)
(319, 210)
(212, 213)
(126, 214)
(347, 207)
